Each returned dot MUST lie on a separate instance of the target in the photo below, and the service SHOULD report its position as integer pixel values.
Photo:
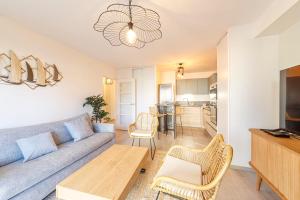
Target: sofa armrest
(104, 128)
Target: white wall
(21, 106)
(251, 99)
(167, 77)
(252, 93)
(223, 93)
(193, 97)
(253, 88)
(124, 73)
(252, 96)
(289, 47)
(279, 16)
(145, 88)
(146, 80)
(109, 95)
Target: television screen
(290, 99)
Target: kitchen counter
(190, 104)
(187, 105)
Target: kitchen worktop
(191, 103)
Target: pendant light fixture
(180, 71)
(130, 25)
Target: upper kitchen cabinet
(202, 86)
(180, 87)
(192, 86)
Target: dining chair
(145, 127)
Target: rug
(142, 188)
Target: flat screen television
(290, 99)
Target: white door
(125, 103)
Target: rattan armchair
(196, 173)
(145, 127)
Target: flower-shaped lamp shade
(130, 25)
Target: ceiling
(191, 28)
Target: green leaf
(97, 103)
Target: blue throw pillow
(36, 146)
(79, 128)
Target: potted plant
(97, 103)
(102, 123)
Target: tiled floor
(236, 185)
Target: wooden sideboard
(276, 162)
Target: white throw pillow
(79, 128)
(36, 146)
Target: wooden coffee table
(109, 176)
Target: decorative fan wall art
(30, 71)
(130, 25)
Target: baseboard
(249, 169)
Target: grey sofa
(35, 179)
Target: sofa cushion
(9, 150)
(34, 171)
(79, 128)
(36, 146)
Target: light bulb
(131, 36)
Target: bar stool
(177, 112)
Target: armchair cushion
(141, 133)
(181, 170)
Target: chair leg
(154, 143)
(181, 126)
(139, 142)
(132, 142)
(152, 151)
(175, 126)
(157, 196)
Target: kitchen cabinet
(208, 125)
(202, 86)
(191, 116)
(192, 86)
(180, 87)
